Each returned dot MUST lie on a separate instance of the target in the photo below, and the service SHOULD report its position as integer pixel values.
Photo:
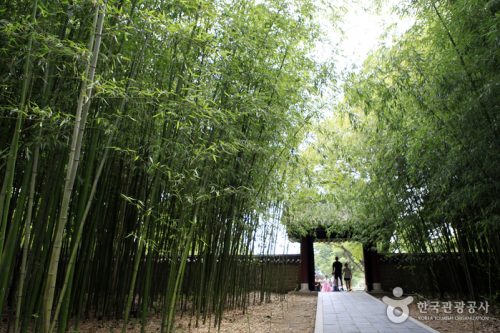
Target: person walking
(337, 271)
(347, 277)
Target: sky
(358, 30)
(364, 30)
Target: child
(335, 285)
(325, 286)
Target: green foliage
(347, 252)
(410, 159)
(196, 109)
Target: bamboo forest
(148, 148)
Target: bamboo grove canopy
(138, 133)
(410, 159)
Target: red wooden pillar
(306, 272)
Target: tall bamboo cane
(6, 191)
(81, 113)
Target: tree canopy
(410, 159)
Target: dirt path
(294, 313)
(290, 313)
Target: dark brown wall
(278, 273)
(429, 274)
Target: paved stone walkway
(358, 312)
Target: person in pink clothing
(325, 286)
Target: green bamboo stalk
(83, 104)
(484, 109)
(83, 199)
(41, 243)
(168, 315)
(6, 191)
(6, 254)
(141, 240)
(9, 253)
(81, 223)
(27, 236)
(147, 286)
(76, 244)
